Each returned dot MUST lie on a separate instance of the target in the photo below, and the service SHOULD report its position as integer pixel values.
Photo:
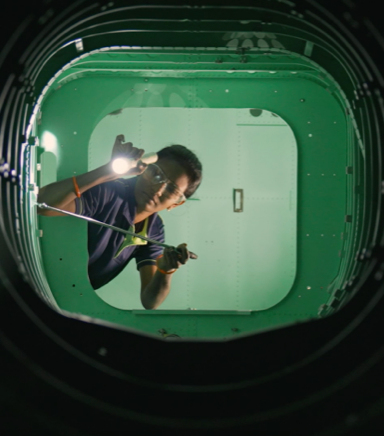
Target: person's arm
(155, 286)
(62, 194)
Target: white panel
(247, 260)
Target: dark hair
(189, 161)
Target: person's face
(154, 197)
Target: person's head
(183, 171)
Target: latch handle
(238, 200)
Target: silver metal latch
(238, 200)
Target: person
(131, 204)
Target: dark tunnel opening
(71, 372)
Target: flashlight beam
(117, 229)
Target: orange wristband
(158, 269)
(77, 190)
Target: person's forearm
(60, 193)
(156, 291)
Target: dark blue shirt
(110, 251)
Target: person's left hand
(172, 260)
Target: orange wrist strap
(158, 269)
(77, 190)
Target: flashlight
(121, 165)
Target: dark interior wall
(66, 376)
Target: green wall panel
(305, 156)
(239, 253)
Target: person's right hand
(126, 149)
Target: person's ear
(175, 205)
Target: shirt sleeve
(92, 201)
(147, 254)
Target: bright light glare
(49, 142)
(121, 165)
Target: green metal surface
(275, 260)
(247, 260)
